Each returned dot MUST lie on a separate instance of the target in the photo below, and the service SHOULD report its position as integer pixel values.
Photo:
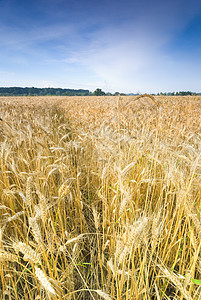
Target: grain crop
(100, 198)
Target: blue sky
(117, 45)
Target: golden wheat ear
(44, 281)
(6, 256)
(29, 254)
(28, 191)
(103, 294)
(35, 230)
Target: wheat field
(100, 198)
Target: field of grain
(100, 198)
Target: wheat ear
(36, 230)
(6, 256)
(44, 281)
(29, 254)
(28, 190)
(103, 294)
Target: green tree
(99, 92)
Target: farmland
(100, 198)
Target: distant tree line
(182, 93)
(99, 92)
(32, 91)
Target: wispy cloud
(133, 55)
(122, 45)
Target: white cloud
(133, 55)
(119, 45)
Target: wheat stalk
(1, 234)
(174, 279)
(14, 217)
